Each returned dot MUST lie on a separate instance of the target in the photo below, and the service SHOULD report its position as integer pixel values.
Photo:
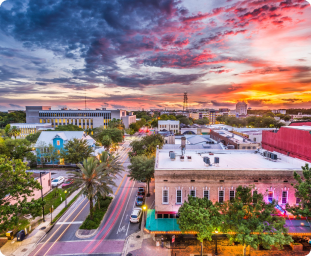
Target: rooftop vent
(216, 160)
(206, 160)
(172, 156)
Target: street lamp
(65, 198)
(216, 232)
(144, 208)
(42, 196)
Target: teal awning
(160, 225)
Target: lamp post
(42, 196)
(65, 198)
(216, 232)
(144, 208)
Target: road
(109, 239)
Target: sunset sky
(137, 54)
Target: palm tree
(93, 179)
(111, 164)
(14, 132)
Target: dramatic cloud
(220, 52)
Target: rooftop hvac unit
(172, 156)
(265, 153)
(169, 153)
(206, 160)
(274, 156)
(216, 160)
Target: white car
(136, 215)
(58, 181)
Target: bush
(98, 214)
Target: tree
(106, 141)
(16, 186)
(111, 164)
(75, 151)
(32, 138)
(17, 149)
(154, 123)
(303, 192)
(185, 120)
(68, 127)
(287, 118)
(129, 131)
(115, 134)
(253, 221)
(92, 179)
(202, 121)
(147, 145)
(116, 123)
(142, 168)
(15, 132)
(200, 215)
(14, 117)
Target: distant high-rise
(185, 106)
(241, 108)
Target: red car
(67, 183)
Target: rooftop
(304, 128)
(234, 138)
(228, 160)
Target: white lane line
(126, 207)
(74, 222)
(129, 223)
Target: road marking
(73, 222)
(126, 207)
(59, 227)
(65, 230)
(127, 230)
(123, 177)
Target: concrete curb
(124, 251)
(80, 236)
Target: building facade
(26, 128)
(168, 125)
(241, 108)
(51, 143)
(85, 119)
(293, 141)
(128, 119)
(212, 116)
(176, 178)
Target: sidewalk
(25, 247)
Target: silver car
(136, 215)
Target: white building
(279, 111)
(168, 125)
(27, 129)
(241, 108)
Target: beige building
(168, 125)
(215, 174)
(241, 108)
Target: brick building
(233, 141)
(176, 178)
(294, 141)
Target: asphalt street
(109, 239)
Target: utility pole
(42, 196)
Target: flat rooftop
(234, 137)
(228, 160)
(303, 127)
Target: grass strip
(98, 214)
(68, 205)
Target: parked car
(140, 200)
(141, 191)
(67, 183)
(58, 181)
(136, 215)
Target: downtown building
(215, 174)
(85, 119)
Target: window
(178, 197)
(297, 200)
(192, 192)
(270, 196)
(255, 193)
(58, 143)
(284, 197)
(206, 194)
(165, 196)
(159, 216)
(221, 195)
(254, 139)
(232, 192)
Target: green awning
(160, 225)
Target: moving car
(136, 215)
(140, 200)
(58, 181)
(67, 183)
(141, 191)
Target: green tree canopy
(16, 186)
(303, 192)
(116, 123)
(75, 151)
(253, 221)
(115, 134)
(32, 138)
(106, 141)
(14, 117)
(147, 145)
(202, 121)
(142, 168)
(68, 127)
(200, 215)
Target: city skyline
(146, 53)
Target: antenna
(185, 106)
